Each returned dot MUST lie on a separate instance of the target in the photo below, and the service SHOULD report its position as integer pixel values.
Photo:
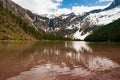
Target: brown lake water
(56, 60)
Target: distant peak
(114, 4)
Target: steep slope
(70, 25)
(80, 26)
(9, 30)
(63, 21)
(13, 27)
(104, 17)
(39, 22)
(110, 32)
(95, 21)
(114, 4)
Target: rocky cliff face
(65, 20)
(17, 10)
(28, 16)
(95, 19)
(75, 26)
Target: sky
(58, 7)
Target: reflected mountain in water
(67, 61)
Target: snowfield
(104, 17)
(78, 35)
(99, 19)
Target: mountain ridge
(9, 28)
(110, 32)
(25, 14)
(69, 25)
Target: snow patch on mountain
(72, 19)
(74, 26)
(64, 16)
(104, 17)
(57, 29)
(78, 35)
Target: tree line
(110, 32)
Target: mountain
(14, 25)
(31, 18)
(109, 19)
(114, 4)
(80, 26)
(9, 29)
(96, 20)
(110, 32)
(63, 20)
(66, 25)
(17, 23)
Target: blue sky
(58, 7)
(70, 3)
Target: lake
(59, 60)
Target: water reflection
(58, 60)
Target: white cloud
(78, 10)
(61, 11)
(39, 6)
(104, 0)
(52, 7)
(58, 0)
(82, 9)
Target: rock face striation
(72, 25)
(28, 16)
